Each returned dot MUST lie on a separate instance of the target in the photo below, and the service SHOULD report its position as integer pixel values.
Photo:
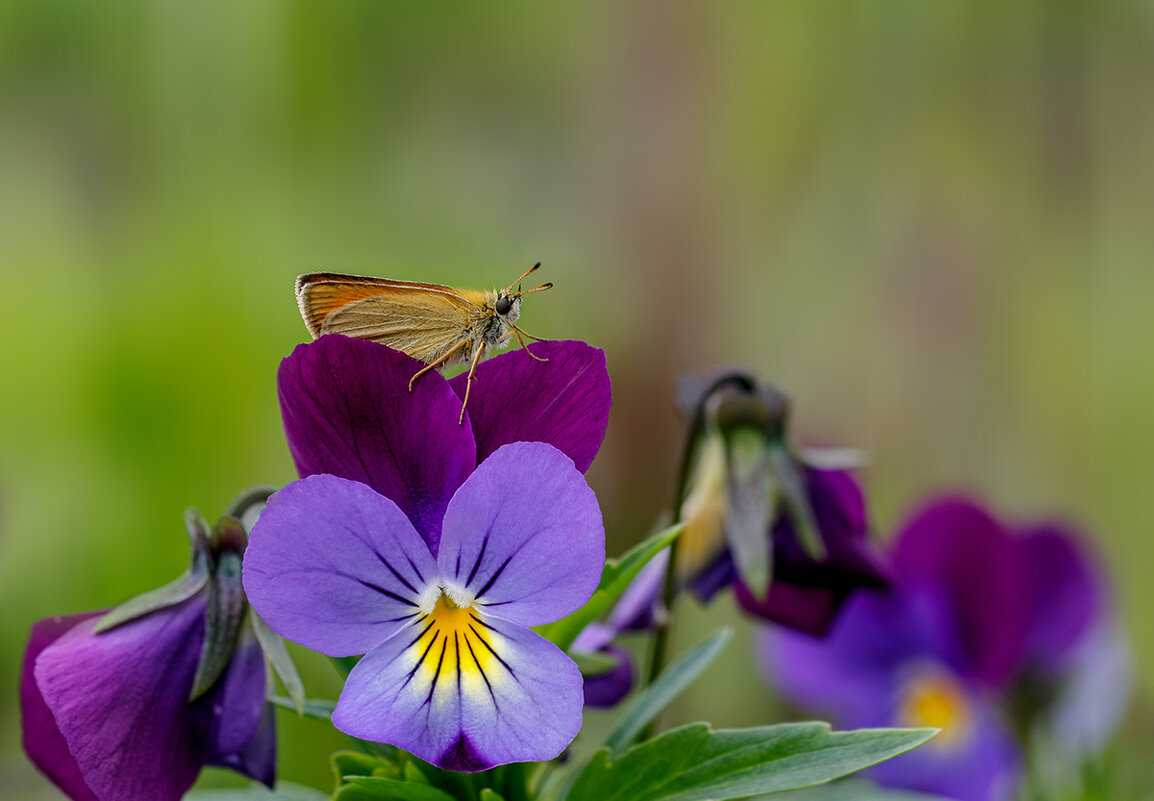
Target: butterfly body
(438, 325)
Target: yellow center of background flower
(935, 699)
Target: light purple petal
(348, 411)
(955, 547)
(524, 535)
(43, 742)
(120, 700)
(334, 566)
(564, 401)
(464, 704)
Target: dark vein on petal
(494, 653)
(399, 577)
(477, 564)
(481, 670)
(384, 592)
(481, 592)
(437, 672)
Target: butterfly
(438, 325)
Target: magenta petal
(348, 411)
(956, 548)
(523, 705)
(564, 401)
(524, 535)
(120, 700)
(43, 741)
(335, 566)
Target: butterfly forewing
(422, 320)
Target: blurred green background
(930, 223)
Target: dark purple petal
(958, 550)
(120, 700)
(348, 411)
(466, 701)
(524, 535)
(257, 759)
(43, 742)
(806, 594)
(1066, 590)
(237, 705)
(335, 566)
(564, 401)
(610, 688)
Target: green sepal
(792, 487)
(615, 578)
(226, 609)
(695, 762)
(282, 664)
(751, 505)
(318, 708)
(175, 592)
(647, 705)
(593, 664)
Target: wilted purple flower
(984, 635)
(791, 537)
(109, 713)
(451, 671)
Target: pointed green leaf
(648, 704)
(285, 791)
(855, 790)
(391, 790)
(693, 763)
(282, 664)
(489, 795)
(355, 763)
(614, 579)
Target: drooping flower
(990, 635)
(791, 537)
(451, 671)
(130, 705)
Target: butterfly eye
(504, 305)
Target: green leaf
(282, 664)
(693, 763)
(355, 763)
(285, 791)
(614, 579)
(647, 705)
(318, 708)
(854, 790)
(595, 663)
(391, 790)
(489, 795)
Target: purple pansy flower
(985, 633)
(451, 671)
(107, 714)
(483, 689)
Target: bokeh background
(932, 224)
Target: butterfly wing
(422, 320)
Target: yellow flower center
(456, 649)
(935, 699)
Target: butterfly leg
(517, 330)
(469, 381)
(437, 363)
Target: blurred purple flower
(451, 671)
(790, 537)
(985, 634)
(348, 412)
(107, 714)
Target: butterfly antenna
(541, 288)
(534, 268)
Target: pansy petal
(237, 700)
(954, 546)
(348, 411)
(43, 742)
(334, 566)
(120, 699)
(524, 535)
(564, 401)
(257, 759)
(610, 688)
(1067, 593)
(467, 699)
